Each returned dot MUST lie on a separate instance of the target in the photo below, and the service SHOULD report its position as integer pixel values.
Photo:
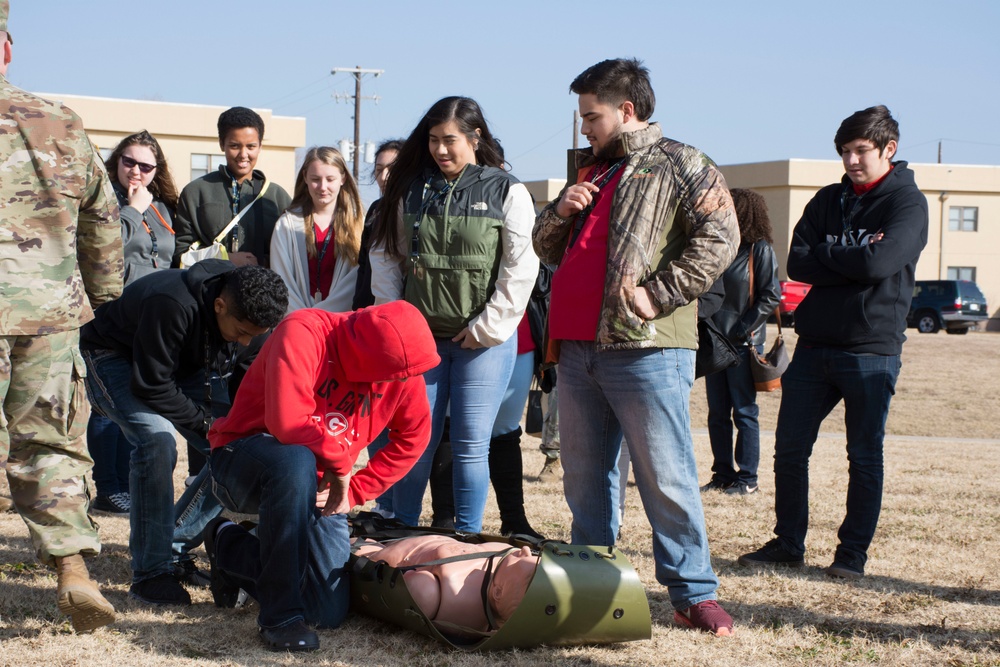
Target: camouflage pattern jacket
(60, 236)
(672, 229)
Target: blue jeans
(474, 381)
(733, 399)
(161, 532)
(643, 395)
(816, 380)
(515, 397)
(295, 566)
(111, 452)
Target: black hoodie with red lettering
(333, 382)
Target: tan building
(963, 202)
(187, 134)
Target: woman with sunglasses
(453, 238)
(315, 244)
(147, 198)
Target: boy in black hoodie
(857, 244)
(161, 358)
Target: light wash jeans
(474, 381)
(161, 532)
(643, 395)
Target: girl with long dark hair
(453, 237)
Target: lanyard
(428, 197)
(605, 178)
(320, 254)
(223, 373)
(155, 251)
(847, 216)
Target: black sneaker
(296, 636)
(741, 489)
(225, 592)
(161, 589)
(186, 572)
(771, 553)
(716, 484)
(842, 571)
(116, 503)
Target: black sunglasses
(129, 163)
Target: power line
(358, 72)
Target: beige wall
(788, 185)
(186, 129)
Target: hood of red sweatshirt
(387, 342)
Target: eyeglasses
(129, 163)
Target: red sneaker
(707, 616)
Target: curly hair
(237, 118)
(348, 216)
(751, 212)
(256, 295)
(162, 186)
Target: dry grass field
(931, 595)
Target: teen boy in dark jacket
(158, 359)
(857, 243)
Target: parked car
(953, 305)
(792, 293)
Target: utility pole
(357, 72)
(576, 127)
(939, 152)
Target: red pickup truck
(792, 293)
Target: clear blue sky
(743, 81)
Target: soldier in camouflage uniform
(646, 229)
(60, 257)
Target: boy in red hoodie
(322, 388)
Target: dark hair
(348, 217)
(236, 119)
(415, 156)
(615, 81)
(387, 145)
(162, 186)
(875, 124)
(256, 295)
(751, 213)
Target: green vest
(454, 244)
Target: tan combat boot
(550, 471)
(78, 595)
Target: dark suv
(953, 305)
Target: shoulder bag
(217, 250)
(767, 369)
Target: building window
(962, 273)
(204, 163)
(963, 218)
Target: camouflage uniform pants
(550, 424)
(43, 419)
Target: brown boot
(550, 471)
(78, 595)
